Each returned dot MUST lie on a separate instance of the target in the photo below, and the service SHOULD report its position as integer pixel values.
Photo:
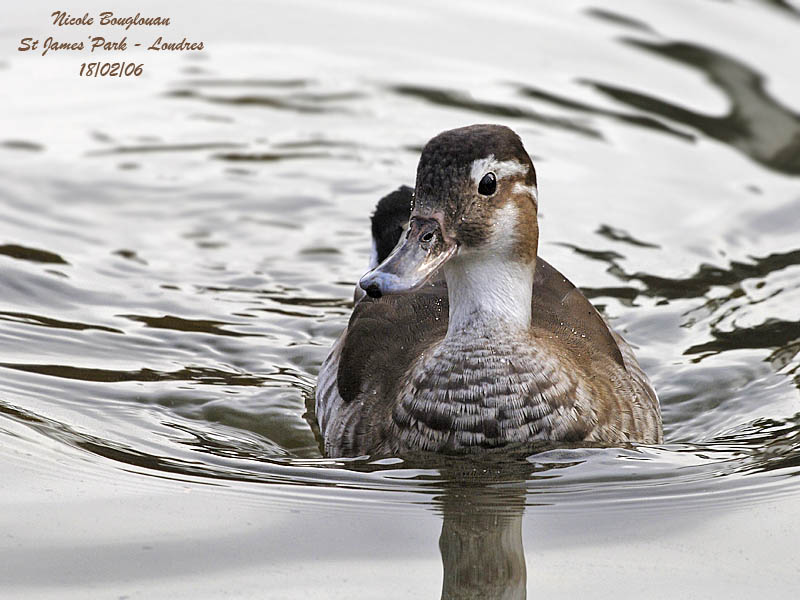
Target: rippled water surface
(178, 252)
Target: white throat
(491, 287)
(488, 291)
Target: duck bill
(424, 249)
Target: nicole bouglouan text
(118, 33)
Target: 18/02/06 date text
(106, 69)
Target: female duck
(465, 339)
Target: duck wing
(560, 307)
(358, 380)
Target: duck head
(475, 200)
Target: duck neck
(488, 292)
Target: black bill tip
(373, 290)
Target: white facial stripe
(501, 168)
(520, 188)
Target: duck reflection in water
(481, 540)
(482, 504)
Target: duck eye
(488, 185)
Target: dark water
(177, 254)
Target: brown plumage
(424, 367)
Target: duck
(462, 339)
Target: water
(178, 252)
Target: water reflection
(305, 102)
(773, 333)
(481, 540)
(575, 105)
(695, 285)
(756, 123)
(781, 335)
(783, 6)
(460, 100)
(482, 504)
(31, 254)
